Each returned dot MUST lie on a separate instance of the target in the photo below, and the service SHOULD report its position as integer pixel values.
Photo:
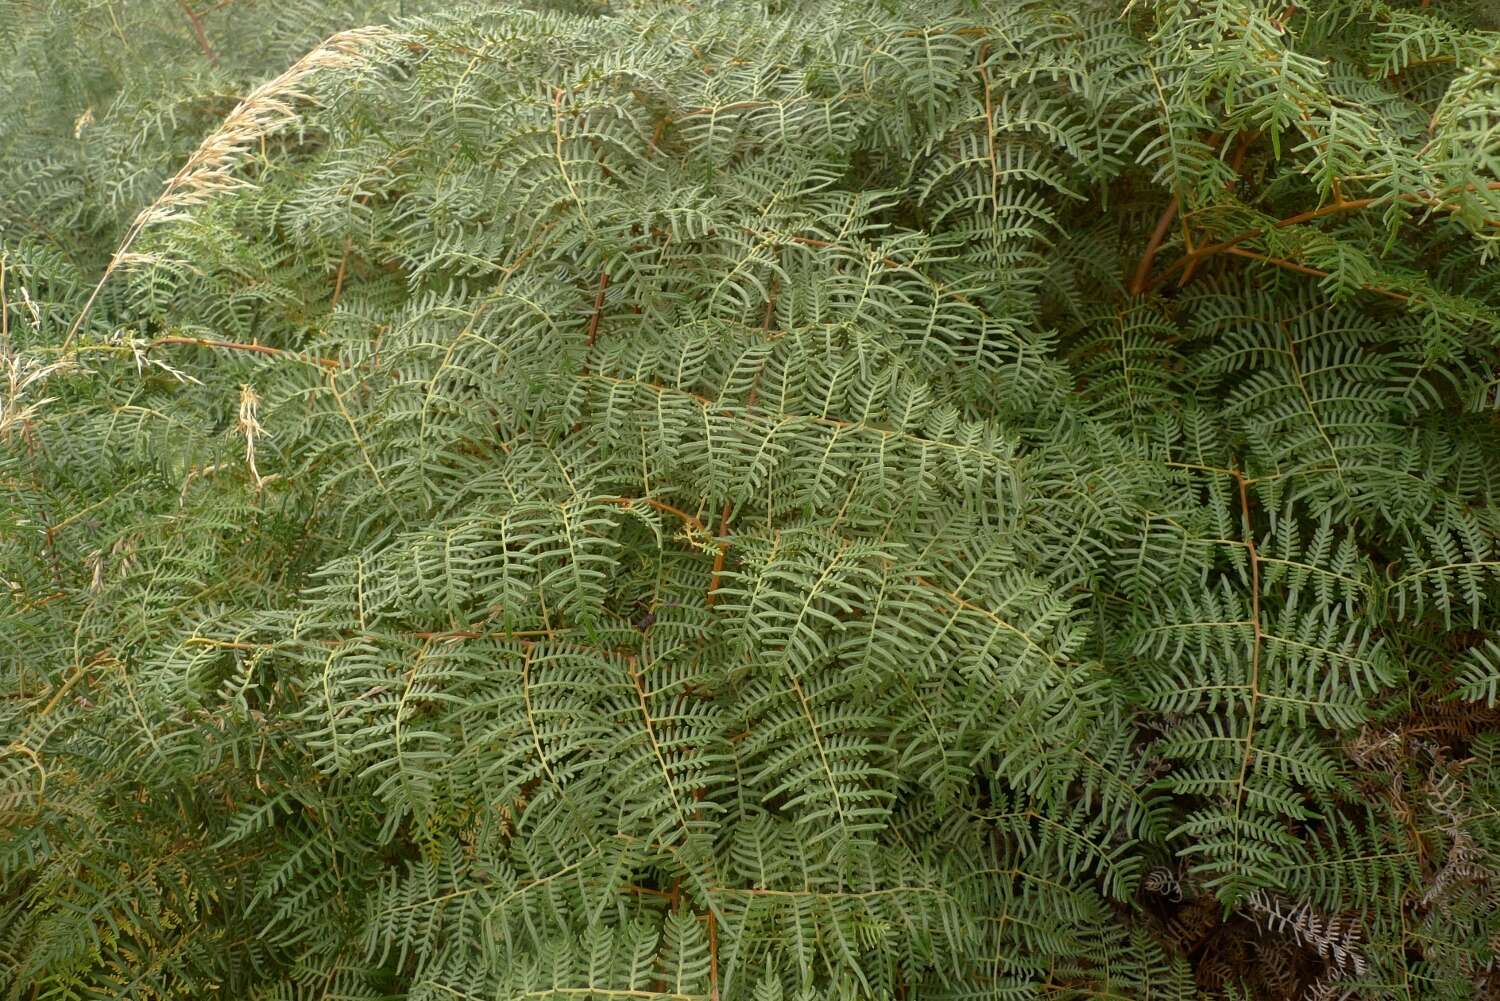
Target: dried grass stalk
(249, 426)
(210, 169)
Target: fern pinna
(719, 501)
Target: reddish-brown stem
(198, 32)
(692, 521)
(656, 134)
(765, 322)
(338, 279)
(1332, 208)
(1209, 249)
(719, 557)
(1304, 269)
(1396, 75)
(1190, 260)
(1236, 167)
(814, 242)
(1143, 269)
(598, 307)
(1187, 246)
(593, 328)
(645, 891)
(1241, 147)
(469, 634)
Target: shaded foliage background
(706, 501)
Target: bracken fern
(719, 501)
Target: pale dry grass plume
(210, 170)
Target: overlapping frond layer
(725, 501)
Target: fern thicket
(720, 501)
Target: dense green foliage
(729, 500)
